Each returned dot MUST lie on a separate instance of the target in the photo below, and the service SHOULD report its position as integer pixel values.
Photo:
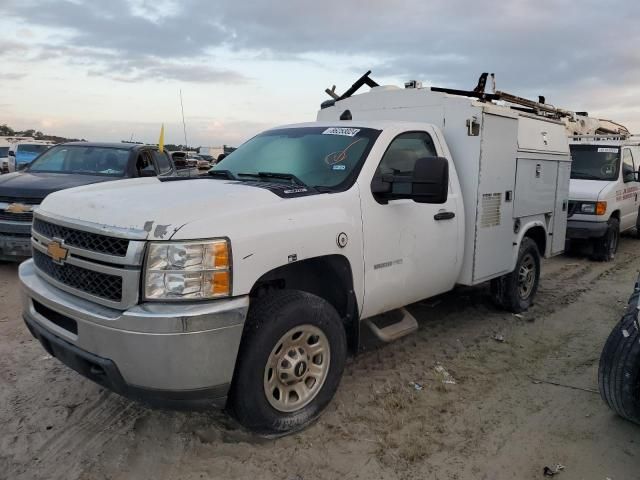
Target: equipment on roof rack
(576, 123)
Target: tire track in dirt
(86, 431)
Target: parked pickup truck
(65, 166)
(248, 287)
(603, 199)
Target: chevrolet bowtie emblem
(17, 208)
(57, 252)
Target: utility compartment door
(494, 220)
(562, 207)
(536, 182)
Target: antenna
(184, 125)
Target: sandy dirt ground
(499, 421)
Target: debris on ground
(417, 386)
(550, 472)
(518, 315)
(498, 337)
(446, 376)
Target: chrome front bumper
(163, 353)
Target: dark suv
(66, 166)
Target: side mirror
(428, 183)
(382, 185)
(12, 153)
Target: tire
(637, 231)
(271, 355)
(515, 291)
(605, 248)
(619, 368)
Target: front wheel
(515, 291)
(290, 362)
(605, 248)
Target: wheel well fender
(538, 234)
(615, 214)
(537, 231)
(329, 277)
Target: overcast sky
(112, 70)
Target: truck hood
(38, 185)
(587, 190)
(159, 208)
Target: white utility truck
(603, 198)
(319, 235)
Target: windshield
(317, 156)
(594, 162)
(84, 160)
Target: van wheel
(619, 369)
(289, 364)
(515, 291)
(637, 232)
(605, 248)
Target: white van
(22, 153)
(4, 155)
(603, 198)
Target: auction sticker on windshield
(347, 132)
(607, 150)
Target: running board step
(392, 325)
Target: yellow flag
(161, 140)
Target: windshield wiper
(222, 173)
(276, 175)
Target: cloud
(556, 48)
(155, 69)
(12, 76)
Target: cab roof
(121, 146)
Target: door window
(628, 168)
(400, 158)
(162, 161)
(144, 165)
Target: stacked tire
(619, 369)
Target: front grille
(99, 284)
(16, 217)
(86, 240)
(25, 200)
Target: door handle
(444, 216)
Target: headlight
(187, 270)
(588, 208)
(593, 208)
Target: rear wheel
(516, 290)
(290, 362)
(605, 248)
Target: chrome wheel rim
(297, 368)
(526, 276)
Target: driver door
(410, 248)
(629, 200)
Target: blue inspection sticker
(337, 166)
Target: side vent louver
(490, 210)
